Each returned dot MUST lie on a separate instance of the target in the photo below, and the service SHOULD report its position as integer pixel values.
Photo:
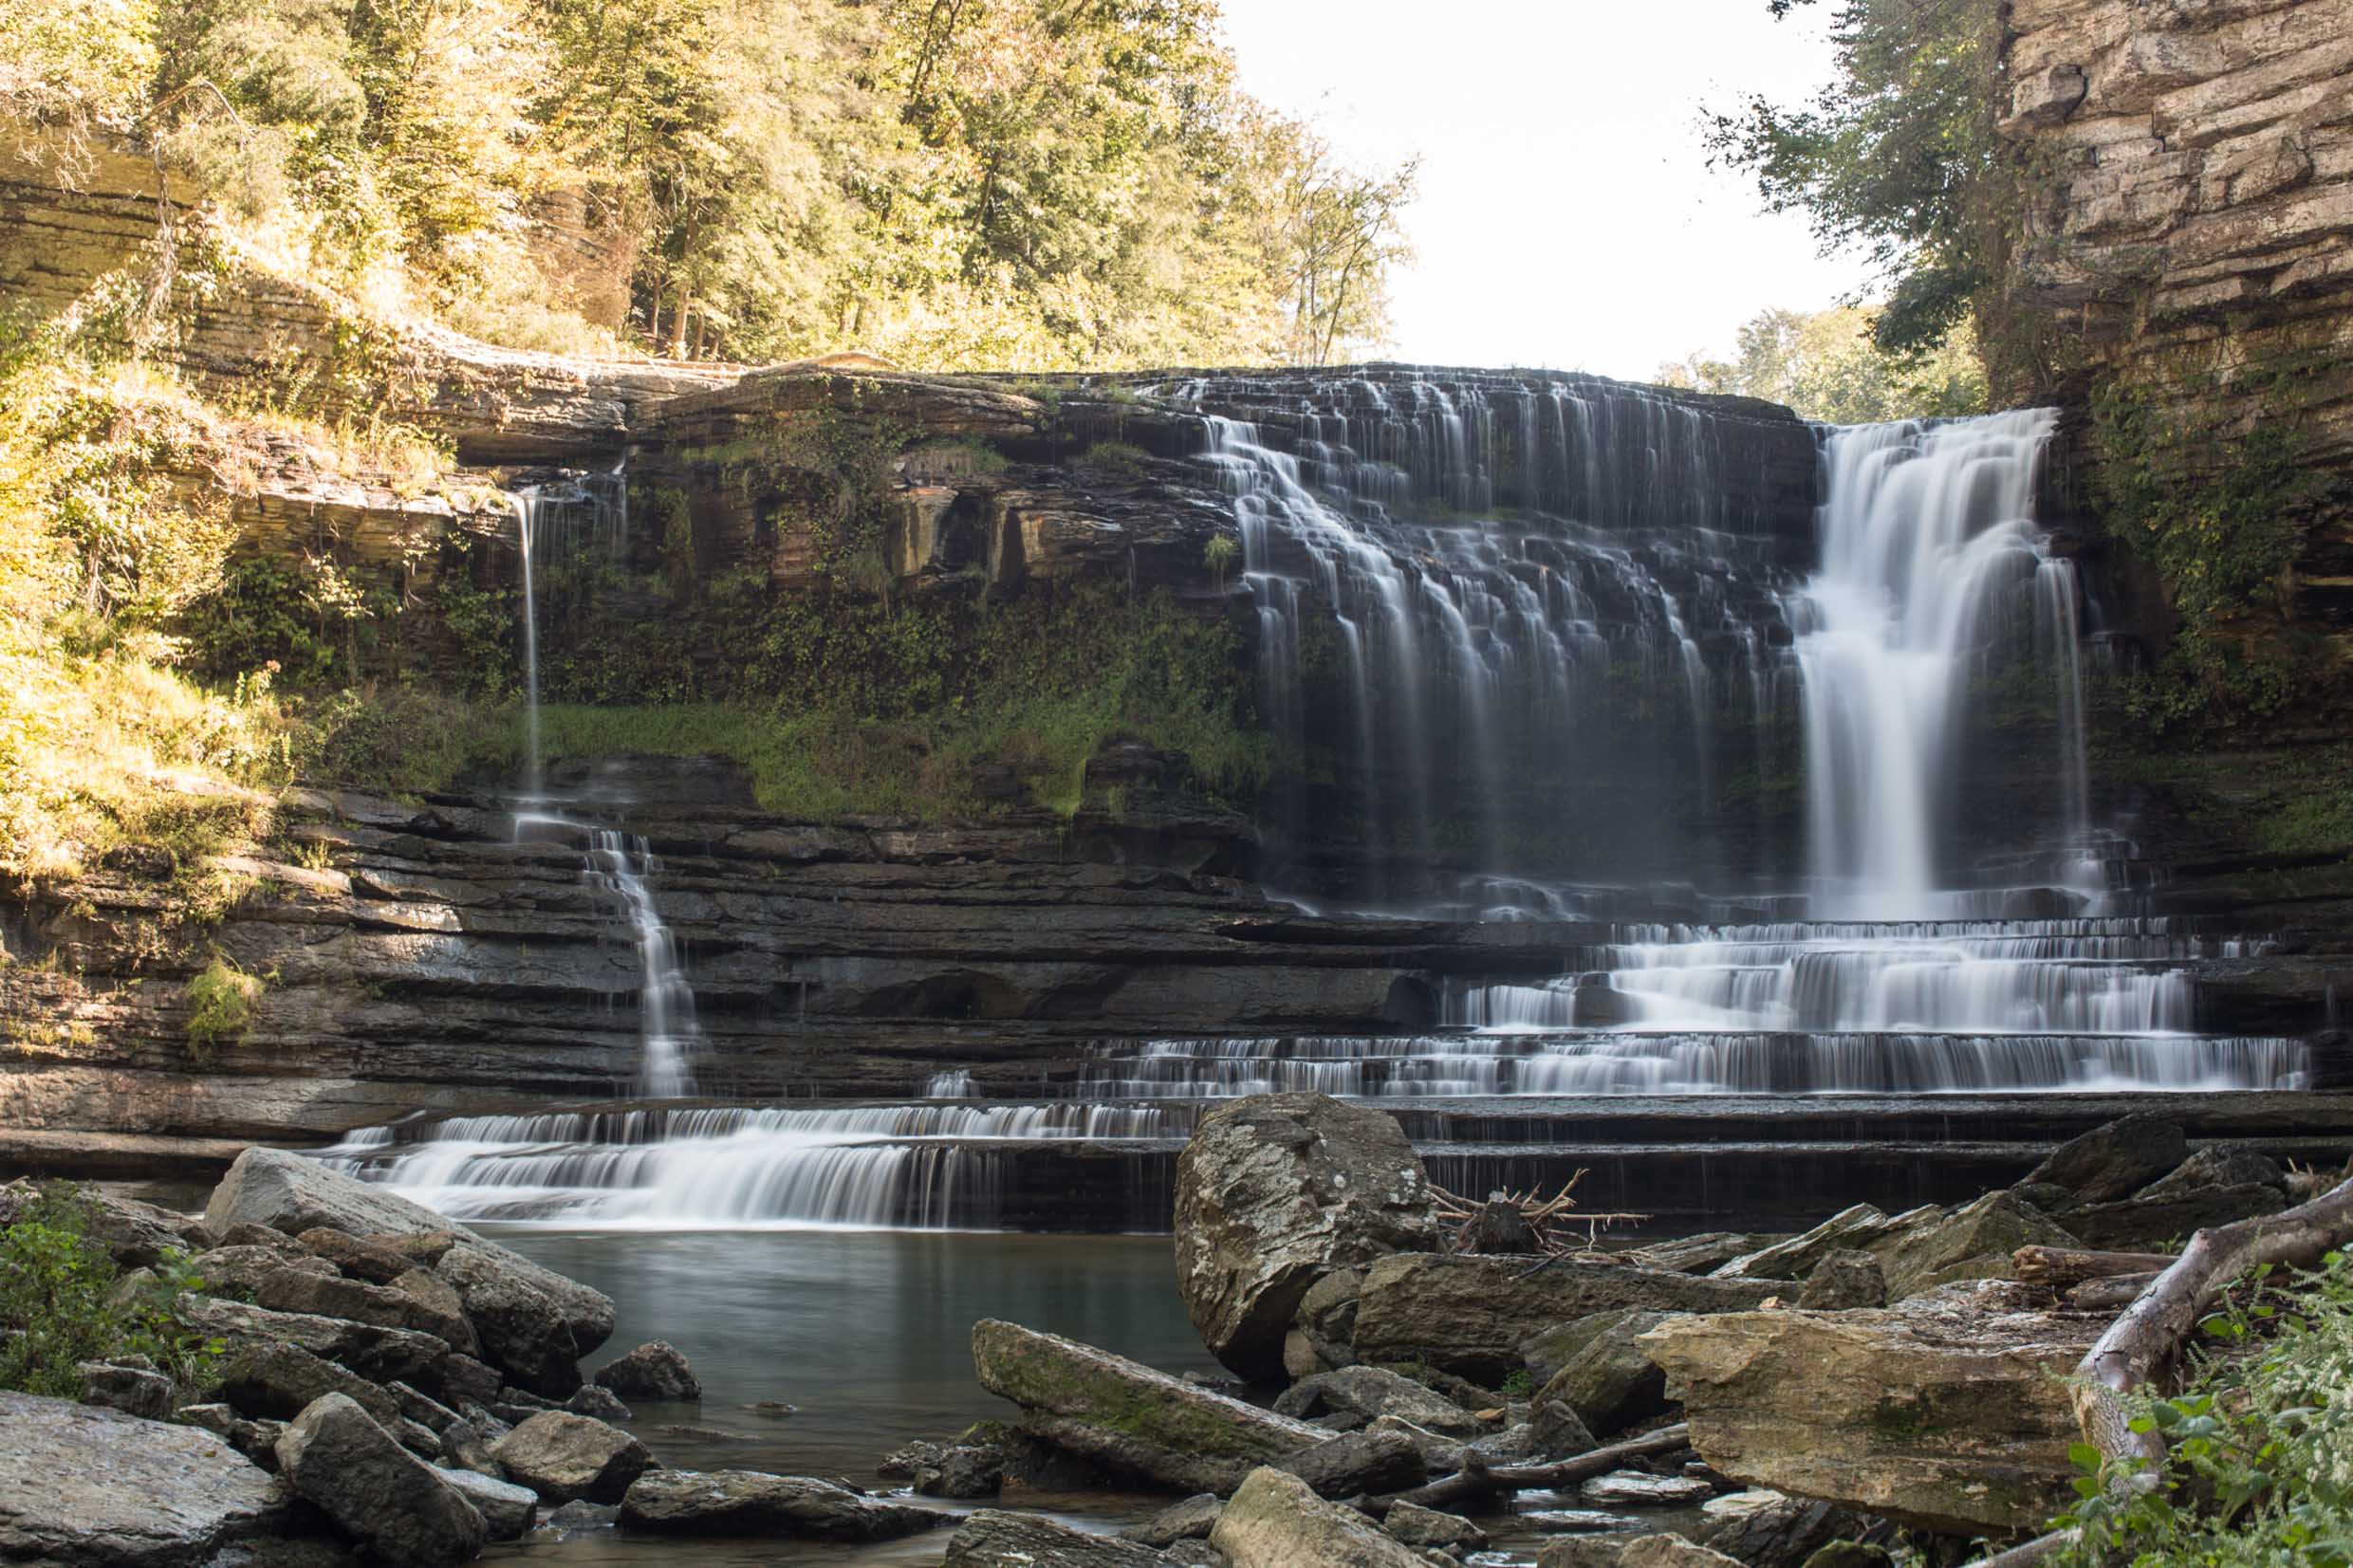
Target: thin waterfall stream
(1564, 688)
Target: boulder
(523, 1329)
(283, 1380)
(2216, 1165)
(139, 1390)
(372, 1261)
(289, 1287)
(1842, 1282)
(379, 1354)
(1666, 1550)
(1356, 1463)
(1323, 1331)
(1697, 1254)
(80, 1484)
(2115, 1160)
(2143, 1224)
(507, 1510)
(1441, 1454)
(1767, 1530)
(1274, 1521)
(654, 1370)
(1798, 1257)
(1928, 1247)
(1557, 1432)
(1471, 1315)
(1190, 1520)
(1610, 1381)
(963, 1471)
(602, 1403)
(992, 1539)
(563, 1456)
(1418, 1527)
(1948, 1412)
(1275, 1192)
(745, 1503)
(1365, 1394)
(288, 1192)
(1640, 1488)
(1127, 1417)
(397, 1509)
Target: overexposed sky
(1568, 217)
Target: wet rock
(399, 1509)
(2115, 1160)
(1127, 1417)
(562, 1457)
(1274, 1521)
(1639, 1488)
(1557, 1432)
(1190, 1520)
(1273, 1192)
(746, 1502)
(1192, 1554)
(2216, 1165)
(963, 1471)
(523, 1329)
(1768, 1530)
(1441, 1454)
(1417, 1526)
(1666, 1550)
(379, 1354)
(1365, 1394)
(133, 1389)
(286, 1193)
(283, 1380)
(1842, 1282)
(2142, 1224)
(594, 1399)
(84, 1485)
(1324, 1329)
(1948, 1412)
(423, 1408)
(507, 1510)
(467, 1445)
(994, 1539)
(1470, 1316)
(465, 1380)
(1610, 1381)
(578, 1515)
(654, 1371)
(1356, 1463)
(1593, 1551)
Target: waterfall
(527, 523)
(620, 863)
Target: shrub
(220, 1006)
(67, 1302)
(1114, 457)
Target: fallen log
(2062, 1268)
(1477, 1479)
(2109, 1295)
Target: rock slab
(84, 1485)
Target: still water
(867, 1334)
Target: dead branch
(1542, 1223)
(2062, 1268)
(1477, 1479)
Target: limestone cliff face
(2189, 221)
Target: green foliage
(2259, 1463)
(221, 997)
(1120, 458)
(1220, 556)
(1828, 366)
(1518, 1385)
(69, 1304)
(1897, 155)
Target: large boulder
(1363, 1394)
(1356, 1463)
(507, 1510)
(523, 1329)
(1471, 1316)
(290, 1193)
(2115, 1160)
(397, 1509)
(1948, 1412)
(655, 1370)
(2165, 1223)
(1273, 1192)
(746, 1502)
(1797, 1257)
(1767, 1530)
(1610, 1381)
(82, 1485)
(994, 1539)
(1930, 1247)
(564, 1457)
(279, 1381)
(2216, 1165)
(1274, 1521)
(1130, 1418)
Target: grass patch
(221, 999)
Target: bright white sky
(1567, 216)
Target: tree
(1830, 367)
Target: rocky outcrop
(85, 1486)
(1471, 1315)
(1129, 1418)
(1272, 1193)
(1949, 1412)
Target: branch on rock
(1523, 1222)
(2062, 1268)
(1479, 1479)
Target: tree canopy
(1828, 366)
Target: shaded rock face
(1610, 1381)
(745, 1503)
(352, 1470)
(1470, 1316)
(1273, 1192)
(1949, 1412)
(1274, 1521)
(2116, 1160)
(1366, 1394)
(1129, 1418)
(82, 1485)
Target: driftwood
(2147, 1338)
(1521, 1222)
(1477, 1479)
(2113, 1293)
(2062, 1268)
